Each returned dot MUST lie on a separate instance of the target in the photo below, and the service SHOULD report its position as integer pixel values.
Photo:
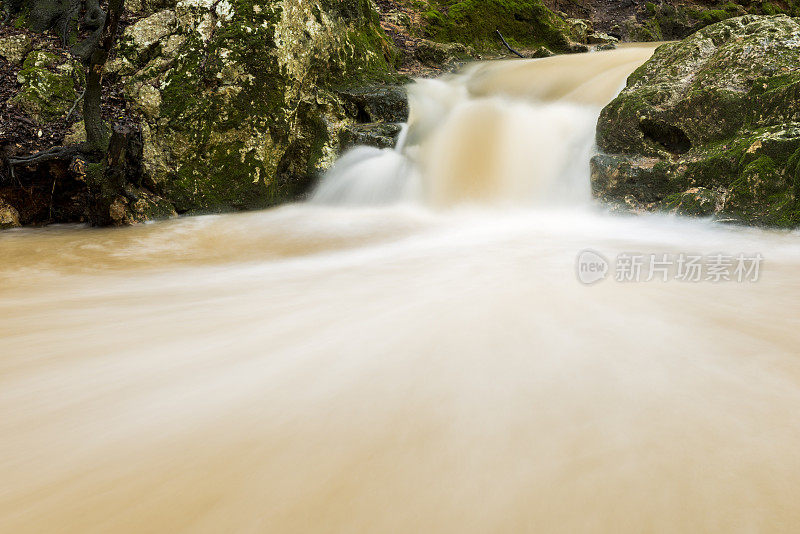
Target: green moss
(245, 121)
(368, 56)
(793, 172)
(696, 202)
(712, 16)
(22, 21)
(48, 85)
(219, 180)
(474, 22)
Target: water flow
(502, 133)
(320, 368)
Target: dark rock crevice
(670, 137)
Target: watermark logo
(592, 267)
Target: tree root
(52, 154)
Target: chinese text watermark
(593, 267)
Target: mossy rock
(524, 23)
(242, 104)
(667, 21)
(694, 202)
(439, 55)
(49, 85)
(717, 111)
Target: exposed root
(55, 153)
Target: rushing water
(411, 351)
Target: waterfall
(490, 136)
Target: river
(417, 348)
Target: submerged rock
(710, 126)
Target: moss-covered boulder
(710, 126)
(240, 98)
(668, 20)
(524, 23)
(49, 85)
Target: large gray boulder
(710, 126)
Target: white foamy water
(497, 134)
(417, 357)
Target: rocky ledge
(709, 126)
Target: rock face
(710, 126)
(241, 100)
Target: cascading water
(489, 136)
(419, 356)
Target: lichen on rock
(9, 217)
(15, 48)
(49, 85)
(717, 111)
(239, 97)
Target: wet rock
(577, 48)
(385, 103)
(49, 85)
(9, 217)
(139, 206)
(601, 39)
(541, 52)
(716, 112)
(15, 48)
(694, 202)
(380, 135)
